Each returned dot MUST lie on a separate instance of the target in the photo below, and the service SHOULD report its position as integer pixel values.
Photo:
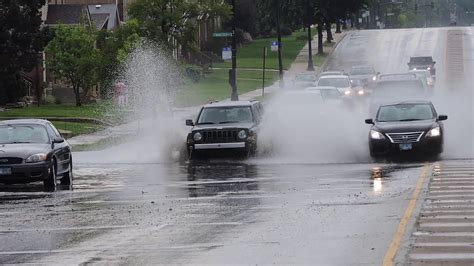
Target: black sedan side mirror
(58, 140)
(442, 117)
(189, 122)
(369, 121)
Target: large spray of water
(151, 81)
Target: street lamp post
(310, 39)
(280, 62)
(233, 72)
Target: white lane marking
(444, 234)
(442, 256)
(446, 211)
(447, 225)
(443, 201)
(445, 244)
(434, 217)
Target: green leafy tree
(21, 40)
(165, 20)
(71, 55)
(114, 48)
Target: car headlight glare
(429, 68)
(361, 92)
(374, 78)
(242, 134)
(347, 92)
(434, 132)
(197, 136)
(376, 135)
(39, 157)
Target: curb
(65, 119)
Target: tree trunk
(338, 26)
(328, 32)
(77, 94)
(320, 38)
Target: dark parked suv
(406, 127)
(225, 128)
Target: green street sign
(222, 34)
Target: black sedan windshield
(23, 134)
(405, 112)
(223, 115)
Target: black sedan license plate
(406, 147)
(5, 171)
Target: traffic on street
(367, 160)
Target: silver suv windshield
(225, 115)
(405, 112)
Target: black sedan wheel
(50, 181)
(67, 177)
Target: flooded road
(204, 213)
(292, 210)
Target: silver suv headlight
(197, 136)
(39, 157)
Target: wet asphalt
(257, 211)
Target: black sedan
(406, 127)
(33, 150)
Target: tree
(114, 48)
(165, 20)
(72, 55)
(21, 40)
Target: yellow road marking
(397, 238)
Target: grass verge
(249, 60)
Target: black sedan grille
(407, 137)
(220, 136)
(10, 160)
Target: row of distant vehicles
(404, 118)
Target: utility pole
(310, 37)
(280, 63)
(233, 72)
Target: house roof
(100, 20)
(65, 14)
(100, 13)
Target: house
(103, 14)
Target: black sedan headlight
(35, 158)
(376, 135)
(434, 132)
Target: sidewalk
(299, 65)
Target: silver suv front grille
(406, 137)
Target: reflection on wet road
(200, 213)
